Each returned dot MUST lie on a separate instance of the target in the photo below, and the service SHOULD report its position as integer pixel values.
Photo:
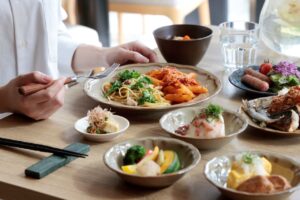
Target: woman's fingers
(46, 109)
(46, 94)
(142, 49)
(34, 77)
(128, 55)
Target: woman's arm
(39, 105)
(88, 56)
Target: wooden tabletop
(89, 178)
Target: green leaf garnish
(115, 86)
(141, 82)
(213, 111)
(147, 96)
(248, 158)
(125, 75)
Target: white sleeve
(66, 45)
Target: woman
(35, 43)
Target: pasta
(133, 88)
(177, 86)
(159, 87)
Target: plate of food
(101, 125)
(254, 175)
(153, 162)
(209, 127)
(266, 79)
(275, 114)
(154, 87)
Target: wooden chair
(176, 10)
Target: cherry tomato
(266, 67)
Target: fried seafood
(285, 102)
(280, 112)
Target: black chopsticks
(39, 147)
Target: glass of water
(239, 40)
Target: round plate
(235, 79)
(266, 129)
(93, 88)
(82, 124)
(235, 124)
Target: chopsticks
(39, 147)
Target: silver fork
(103, 74)
(32, 88)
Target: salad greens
(284, 74)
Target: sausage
(257, 74)
(255, 82)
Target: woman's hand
(87, 57)
(131, 52)
(39, 105)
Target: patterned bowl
(217, 169)
(188, 155)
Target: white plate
(82, 124)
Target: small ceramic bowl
(235, 124)
(188, 52)
(217, 169)
(188, 155)
(82, 124)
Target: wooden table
(90, 179)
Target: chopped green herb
(141, 82)
(115, 86)
(125, 75)
(146, 97)
(213, 111)
(248, 158)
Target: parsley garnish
(248, 158)
(146, 97)
(213, 111)
(115, 86)
(125, 75)
(141, 82)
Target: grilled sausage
(255, 83)
(257, 74)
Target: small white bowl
(82, 124)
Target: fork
(35, 87)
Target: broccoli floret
(134, 154)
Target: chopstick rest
(54, 162)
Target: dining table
(89, 178)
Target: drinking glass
(239, 40)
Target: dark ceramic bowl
(188, 52)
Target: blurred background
(114, 22)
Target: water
(281, 37)
(239, 50)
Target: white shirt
(33, 38)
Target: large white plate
(267, 129)
(93, 88)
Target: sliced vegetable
(129, 169)
(160, 158)
(134, 154)
(152, 156)
(171, 162)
